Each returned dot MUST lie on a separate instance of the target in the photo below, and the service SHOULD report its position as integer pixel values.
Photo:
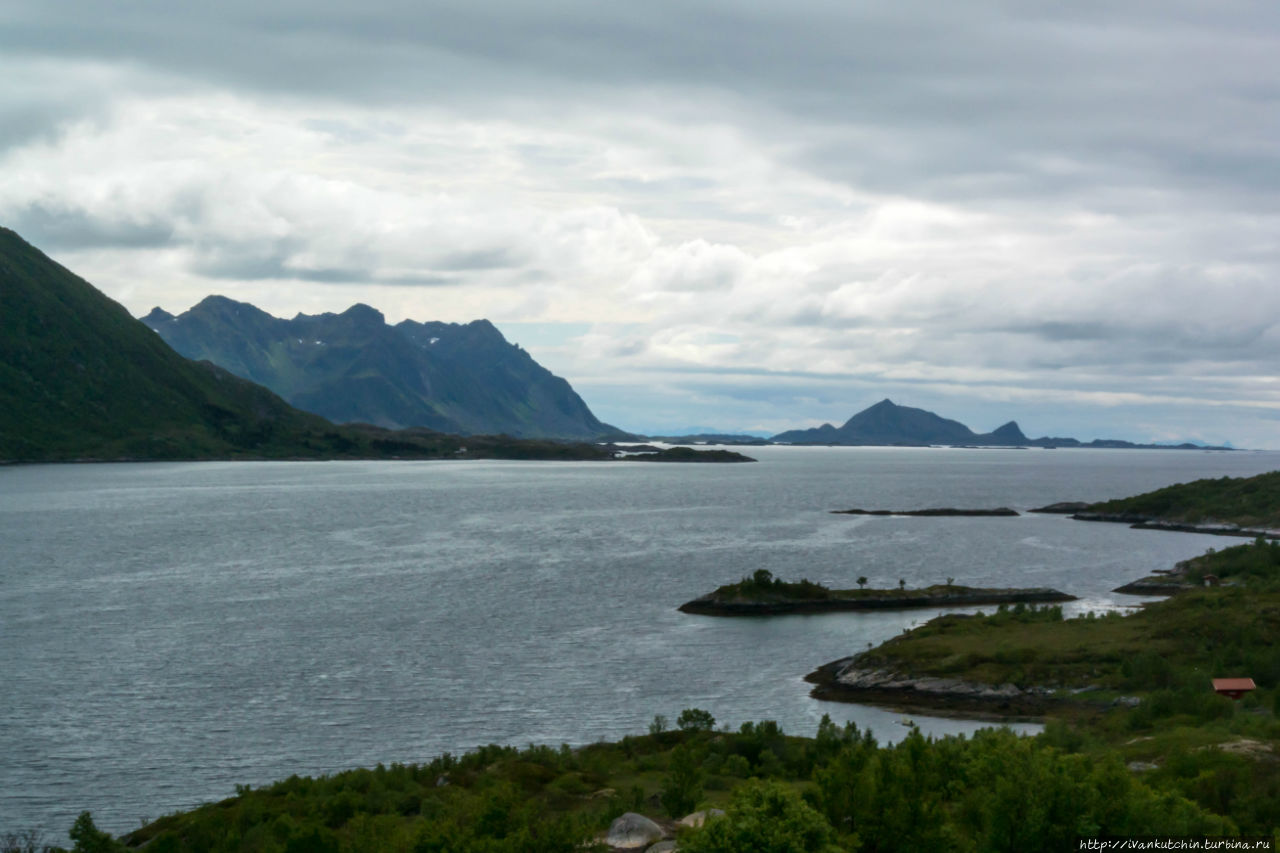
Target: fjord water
(170, 630)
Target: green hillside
(1246, 501)
(80, 379)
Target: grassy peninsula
(763, 594)
(1239, 506)
(1185, 640)
(1137, 685)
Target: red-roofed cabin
(1233, 688)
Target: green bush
(766, 817)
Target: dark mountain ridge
(887, 423)
(354, 367)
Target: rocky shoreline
(711, 605)
(845, 680)
(1080, 511)
(941, 512)
(1214, 528)
(1170, 582)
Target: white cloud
(819, 207)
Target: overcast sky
(740, 215)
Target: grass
(1186, 640)
(1245, 501)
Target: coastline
(712, 605)
(842, 680)
(1146, 522)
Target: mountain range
(81, 379)
(887, 423)
(354, 367)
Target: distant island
(713, 438)
(761, 594)
(888, 424)
(687, 454)
(939, 512)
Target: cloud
(1041, 205)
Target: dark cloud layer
(1057, 203)
(946, 100)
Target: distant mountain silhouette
(354, 367)
(887, 423)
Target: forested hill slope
(81, 378)
(1245, 501)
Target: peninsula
(762, 594)
(1227, 506)
(687, 454)
(1025, 659)
(939, 512)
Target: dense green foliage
(1256, 566)
(1246, 501)
(761, 585)
(839, 790)
(767, 817)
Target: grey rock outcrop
(951, 688)
(854, 679)
(633, 831)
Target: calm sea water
(170, 630)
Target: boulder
(697, 819)
(662, 847)
(633, 831)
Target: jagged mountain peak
(353, 366)
(362, 313)
(1010, 431)
(887, 423)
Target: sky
(746, 216)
